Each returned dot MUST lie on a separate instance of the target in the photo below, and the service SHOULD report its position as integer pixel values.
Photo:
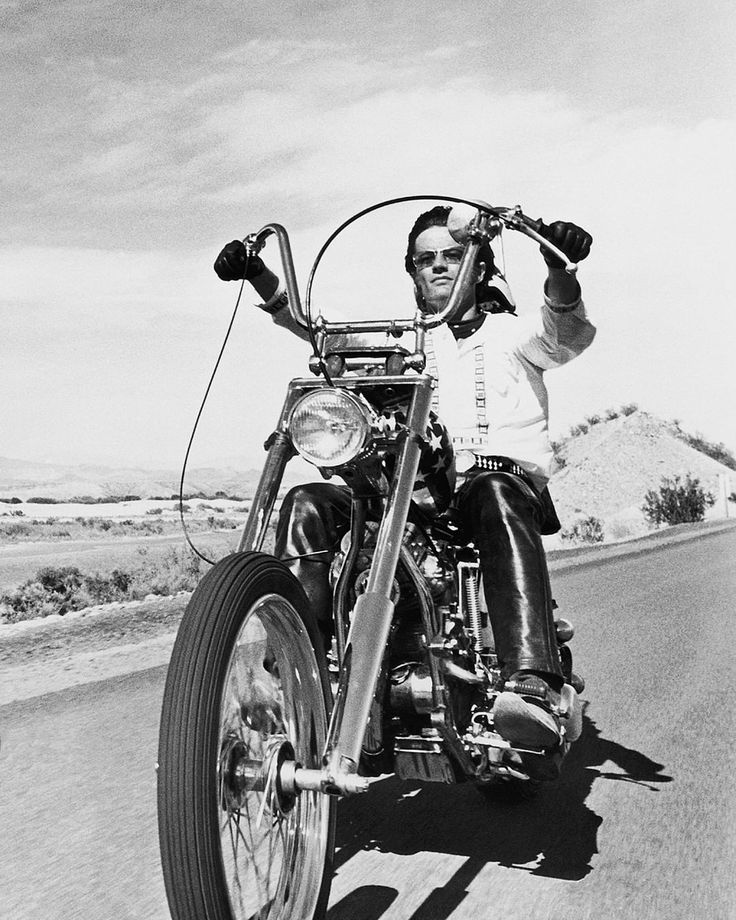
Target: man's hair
(437, 217)
(485, 292)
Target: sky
(138, 138)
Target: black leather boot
(312, 521)
(503, 513)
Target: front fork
(372, 615)
(373, 612)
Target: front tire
(247, 688)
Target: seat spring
(470, 590)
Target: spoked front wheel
(246, 691)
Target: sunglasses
(428, 257)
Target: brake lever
(255, 242)
(515, 219)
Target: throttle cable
(196, 423)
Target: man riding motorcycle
(489, 364)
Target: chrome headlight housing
(330, 427)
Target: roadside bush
(716, 451)
(559, 455)
(584, 530)
(59, 590)
(53, 590)
(677, 502)
(174, 571)
(15, 529)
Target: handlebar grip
(537, 225)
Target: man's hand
(233, 263)
(571, 239)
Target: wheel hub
(241, 774)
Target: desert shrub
(584, 530)
(559, 455)
(716, 451)
(677, 502)
(155, 511)
(60, 590)
(174, 571)
(104, 589)
(15, 529)
(11, 501)
(576, 430)
(629, 409)
(593, 420)
(42, 500)
(52, 590)
(732, 497)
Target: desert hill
(609, 469)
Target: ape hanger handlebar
(472, 225)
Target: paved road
(640, 826)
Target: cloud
(130, 170)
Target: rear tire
(247, 687)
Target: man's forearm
(561, 286)
(265, 284)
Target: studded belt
(502, 465)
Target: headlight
(329, 427)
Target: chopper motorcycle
(263, 728)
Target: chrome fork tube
(280, 451)
(373, 611)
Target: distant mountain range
(605, 472)
(26, 479)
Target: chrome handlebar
(487, 223)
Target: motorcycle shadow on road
(552, 834)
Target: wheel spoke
(265, 705)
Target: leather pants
(503, 515)
(312, 521)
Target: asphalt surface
(640, 825)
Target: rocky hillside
(609, 469)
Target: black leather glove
(233, 263)
(571, 239)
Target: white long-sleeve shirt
(491, 393)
